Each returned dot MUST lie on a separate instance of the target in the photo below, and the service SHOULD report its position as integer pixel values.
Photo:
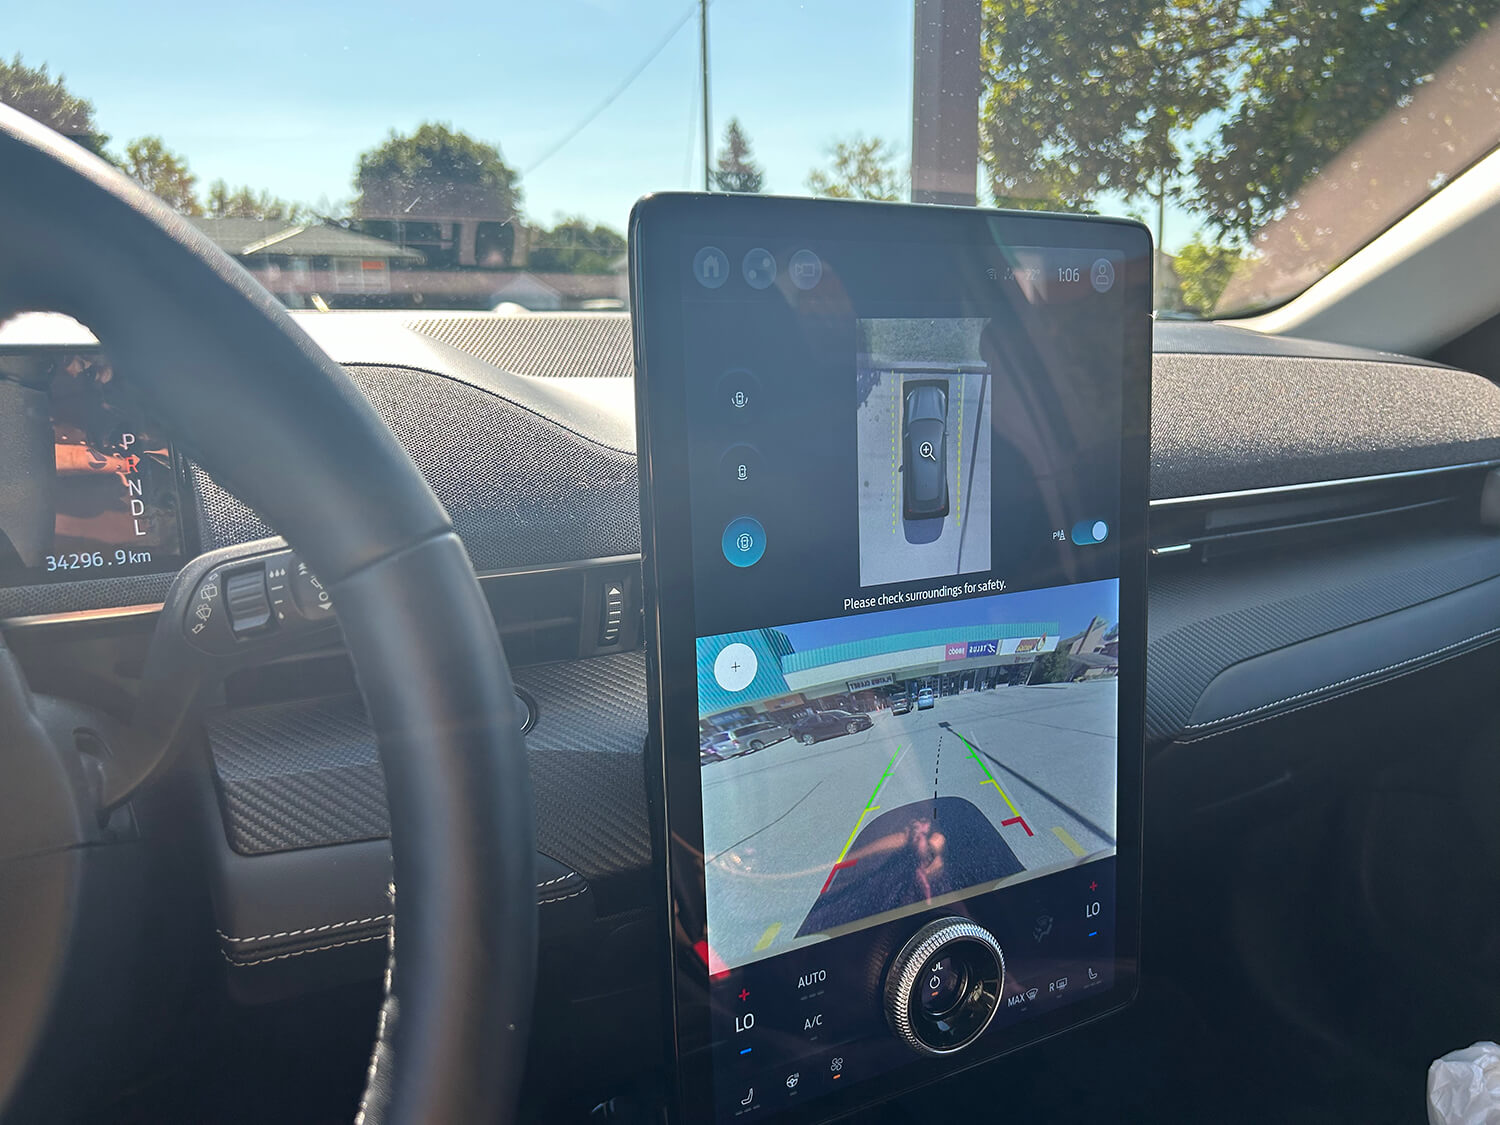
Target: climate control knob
(943, 987)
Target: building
(865, 675)
(297, 260)
(553, 292)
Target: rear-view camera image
(865, 767)
(924, 448)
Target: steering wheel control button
(943, 988)
(805, 269)
(1088, 532)
(611, 613)
(759, 268)
(248, 601)
(711, 267)
(739, 395)
(206, 621)
(735, 667)
(740, 467)
(744, 541)
(312, 600)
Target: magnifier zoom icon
(926, 450)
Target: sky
(1071, 607)
(282, 96)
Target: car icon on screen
(924, 450)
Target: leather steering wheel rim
(253, 400)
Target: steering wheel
(254, 401)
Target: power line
(615, 93)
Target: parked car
(924, 432)
(723, 744)
(901, 704)
(829, 724)
(708, 754)
(926, 698)
(757, 736)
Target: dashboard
(1319, 525)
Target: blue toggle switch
(1088, 532)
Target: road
(893, 549)
(1037, 762)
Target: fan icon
(836, 1065)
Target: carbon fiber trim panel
(551, 345)
(306, 774)
(1207, 619)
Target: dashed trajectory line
(959, 474)
(989, 779)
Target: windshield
(486, 156)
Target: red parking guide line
(834, 870)
(1015, 820)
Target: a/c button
(744, 541)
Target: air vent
(1293, 516)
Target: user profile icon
(1102, 274)
(759, 268)
(711, 267)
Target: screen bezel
(657, 226)
(187, 508)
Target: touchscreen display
(905, 485)
(88, 484)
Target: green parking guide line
(870, 806)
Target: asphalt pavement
(893, 549)
(793, 828)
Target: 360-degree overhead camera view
(720, 562)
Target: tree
(162, 172)
(575, 246)
(243, 202)
(737, 170)
(859, 168)
(1315, 79)
(1203, 269)
(1082, 98)
(1053, 667)
(43, 98)
(436, 172)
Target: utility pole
(708, 183)
(945, 102)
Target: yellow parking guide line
(1068, 842)
(768, 937)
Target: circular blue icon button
(744, 541)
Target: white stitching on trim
(560, 898)
(372, 919)
(311, 929)
(1333, 686)
(302, 952)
